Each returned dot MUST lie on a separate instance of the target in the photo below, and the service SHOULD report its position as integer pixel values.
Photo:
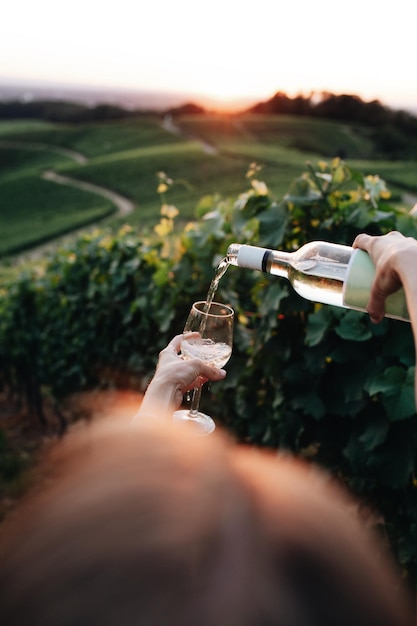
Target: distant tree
(108, 112)
(302, 105)
(189, 108)
(340, 107)
(60, 111)
(280, 103)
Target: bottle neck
(261, 259)
(278, 263)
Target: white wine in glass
(213, 345)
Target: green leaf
(407, 224)
(310, 403)
(355, 452)
(397, 342)
(301, 192)
(317, 326)
(392, 462)
(375, 432)
(408, 544)
(381, 216)
(389, 382)
(397, 388)
(271, 298)
(354, 327)
(272, 225)
(205, 205)
(361, 216)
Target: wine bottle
(324, 272)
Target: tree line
(393, 131)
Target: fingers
(197, 382)
(187, 374)
(209, 371)
(172, 350)
(376, 306)
(378, 243)
(195, 373)
(175, 343)
(362, 241)
(383, 250)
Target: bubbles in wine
(212, 352)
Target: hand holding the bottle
(173, 377)
(395, 260)
(394, 257)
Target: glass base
(201, 423)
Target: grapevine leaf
(397, 389)
(271, 300)
(317, 326)
(310, 403)
(392, 462)
(375, 432)
(354, 327)
(272, 225)
(388, 382)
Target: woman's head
(149, 525)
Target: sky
(227, 50)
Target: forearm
(395, 259)
(409, 281)
(408, 275)
(159, 401)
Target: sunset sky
(222, 49)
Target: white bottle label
(357, 287)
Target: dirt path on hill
(124, 205)
(45, 147)
(169, 125)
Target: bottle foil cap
(252, 257)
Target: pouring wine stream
(218, 274)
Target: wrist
(161, 398)
(404, 262)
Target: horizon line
(158, 98)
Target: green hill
(204, 154)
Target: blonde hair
(151, 526)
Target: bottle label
(357, 287)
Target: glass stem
(195, 402)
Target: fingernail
(222, 373)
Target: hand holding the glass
(213, 323)
(205, 345)
(175, 376)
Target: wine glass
(214, 324)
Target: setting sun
(224, 52)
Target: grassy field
(310, 136)
(125, 156)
